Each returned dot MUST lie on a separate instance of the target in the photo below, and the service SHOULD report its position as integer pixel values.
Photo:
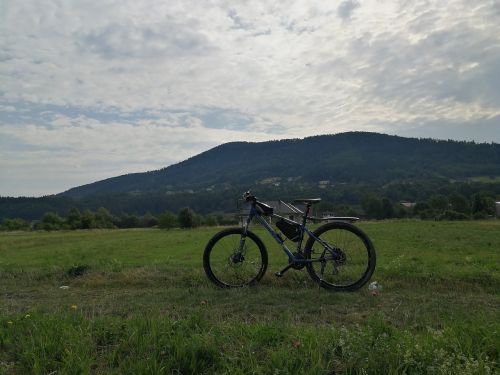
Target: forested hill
(343, 158)
(342, 169)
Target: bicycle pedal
(278, 274)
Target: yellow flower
(73, 307)
(9, 322)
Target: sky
(96, 89)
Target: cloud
(481, 130)
(238, 22)
(346, 8)
(68, 149)
(166, 39)
(170, 79)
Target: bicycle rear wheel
(231, 260)
(345, 261)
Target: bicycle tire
(348, 271)
(227, 267)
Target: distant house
(408, 205)
(323, 184)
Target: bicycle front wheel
(232, 260)
(342, 256)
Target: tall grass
(70, 343)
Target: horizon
(92, 90)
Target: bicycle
(337, 255)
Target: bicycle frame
(254, 213)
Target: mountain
(341, 168)
(346, 157)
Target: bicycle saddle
(307, 201)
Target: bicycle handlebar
(248, 197)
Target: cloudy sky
(94, 89)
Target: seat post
(306, 214)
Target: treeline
(224, 200)
(455, 206)
(103, 219)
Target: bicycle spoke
(345, 262)
(230, 265)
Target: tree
(52, 221)
(127, 221)
(186, 218)
(387, 210)
(420, 207)
(74, 218)
(14, 224)
(324, 207)
(459, 203)
(402, 212)
(167, 220)
(209, 221)
(103, 218)
(453, 215)
(372, 206)
(148, 220)
(439, 202)
(88, 220)
(482, 205)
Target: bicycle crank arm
(281, 273)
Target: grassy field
(138, 302)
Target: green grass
(143, 305)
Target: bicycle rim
(348, 260)
(228, 264)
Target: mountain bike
(337, 255)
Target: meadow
(138, 302)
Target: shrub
(187, 218)
(74, 218)
(52, 221)
(14, 224)
(167, 220)
(210, 220)
(480, 215)
(453, 215)
(428, 214)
